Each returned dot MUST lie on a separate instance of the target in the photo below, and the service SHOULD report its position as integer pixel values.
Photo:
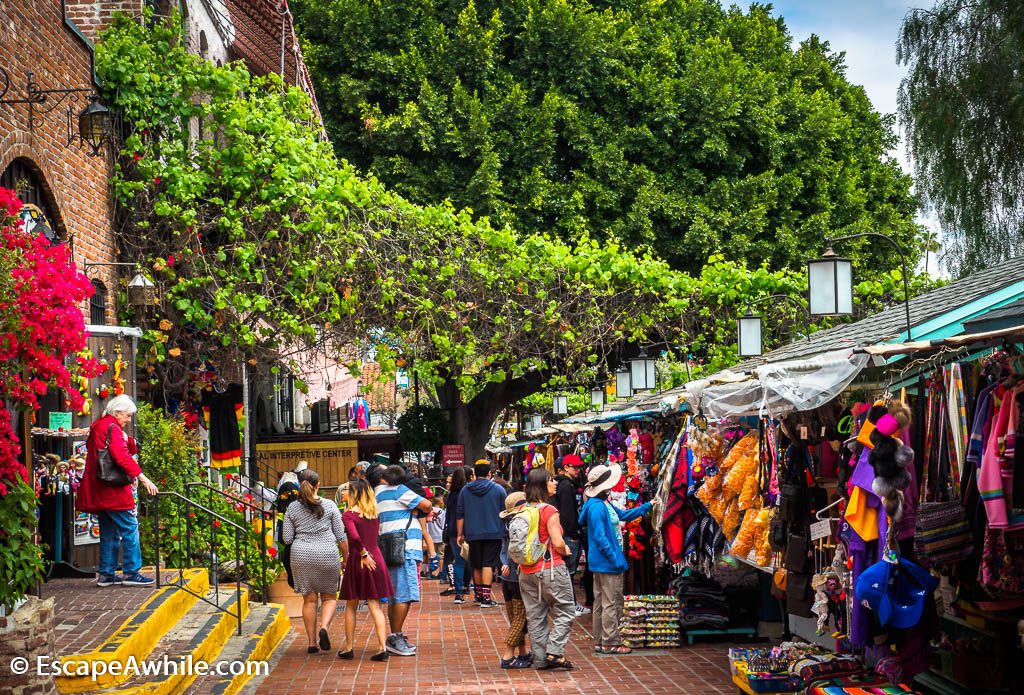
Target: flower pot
(281, 593)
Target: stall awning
(778, 388)
(965, 340)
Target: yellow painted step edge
(206, 651)
(268, 642)
(139, 633)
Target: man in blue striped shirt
(398, 507)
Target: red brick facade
(34, 36)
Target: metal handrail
(189, 504)
(264, 580)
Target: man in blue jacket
(602, 522)
(479, 523)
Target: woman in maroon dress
(366, 576)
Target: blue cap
(873, 590)
(910, 591)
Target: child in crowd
(514, 655)
(435, 529)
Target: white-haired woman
(114, 505)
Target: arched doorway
(40, 212)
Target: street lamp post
(830, 280)
(597, 398)
(623, 383)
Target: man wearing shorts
(396, 506)
(479, 523)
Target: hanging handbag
(1001, 573)
(942, 534)
(392, 545)
(108, 471)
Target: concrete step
(197, 638)
(137, 635)
(264, 629)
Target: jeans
(119, 529)
(572, 560)
(460, 567)
(548, 592)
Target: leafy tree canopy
(963, 105)
(676, 125)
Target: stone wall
(27, 634)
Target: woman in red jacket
(114, 504)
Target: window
(98, 304)
(24, 177)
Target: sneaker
(136, 579)
(458, 599)
(107, 580)
(404, 642)
(582, 610)
(399, 647)
(488, 603)
(509, 663)
(448, 592)
(522, 662)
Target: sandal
(598, 649)
(553, 662)
(618, 649)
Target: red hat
(572, 460)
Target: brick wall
(33, 37)
(27, 634)
(93, 16)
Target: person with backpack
(514, 654)
(602, 522)
(478, 520)
(537, 545)
(567, 490)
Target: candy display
(650, 621)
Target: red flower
(216, 523)
(156, 180)
(272, 551)
(136, 156)
(170, 260)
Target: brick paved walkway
(458, 653)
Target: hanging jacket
(996, 473)
(604, 549)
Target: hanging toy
(119, 366)
(83, 388)
(103, 391)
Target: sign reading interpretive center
(331, 459)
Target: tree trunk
(471, 422)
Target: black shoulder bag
(108, 471)
(392, 545)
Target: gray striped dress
(315, 560)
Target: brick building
(68, 185)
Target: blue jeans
(572, 560)
(119, 529)
(460, 568)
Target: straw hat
(513, 504)
(602, 478)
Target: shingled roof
(257, 41)
(890, 325)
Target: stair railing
(186, 525)
(196, 489)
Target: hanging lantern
(141, 291)
(560, 404)
(643, 372)
(597, 398)
(748, 334)
(536, 422)
(623, 384)
(95, 125)
(830, 285)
